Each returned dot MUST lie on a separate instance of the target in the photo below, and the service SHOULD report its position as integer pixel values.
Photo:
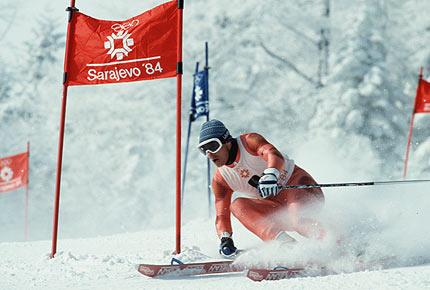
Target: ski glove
(268, 183)
(227, 248)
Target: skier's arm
(222, 194)
(223, 223)
(257, 145)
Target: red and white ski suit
(267, 217)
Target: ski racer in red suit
(266, 211)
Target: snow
(110, 263)
(381, 222)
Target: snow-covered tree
(29, 116)
(366, 96)
(6, 84)
(7, 17)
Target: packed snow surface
(110, 263)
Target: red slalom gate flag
(13, 172)
(422, 103)
(140, 48)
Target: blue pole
(207, 119)
(188, 143)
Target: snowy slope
(110, 263)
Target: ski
(188, 269)
(255, 274)
(276, 274)
(314, 270)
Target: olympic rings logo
(117, 27)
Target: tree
(365, 97)
(28, 111)
(7, 17)
(314, 35)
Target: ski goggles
(212, 145)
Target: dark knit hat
(214, 129)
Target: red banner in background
(140, 48)
(422, 103)
(13, 172)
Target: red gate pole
(70, 9)
(411, 126)
(179, 70)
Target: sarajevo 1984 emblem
(124, 50)
(121, 36)
(118, 45)
(6, 174)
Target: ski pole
(253, 181)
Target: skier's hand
(227, 248)
(268, 183)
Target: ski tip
(147, 270)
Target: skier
(266, 211)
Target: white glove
(268, 183)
